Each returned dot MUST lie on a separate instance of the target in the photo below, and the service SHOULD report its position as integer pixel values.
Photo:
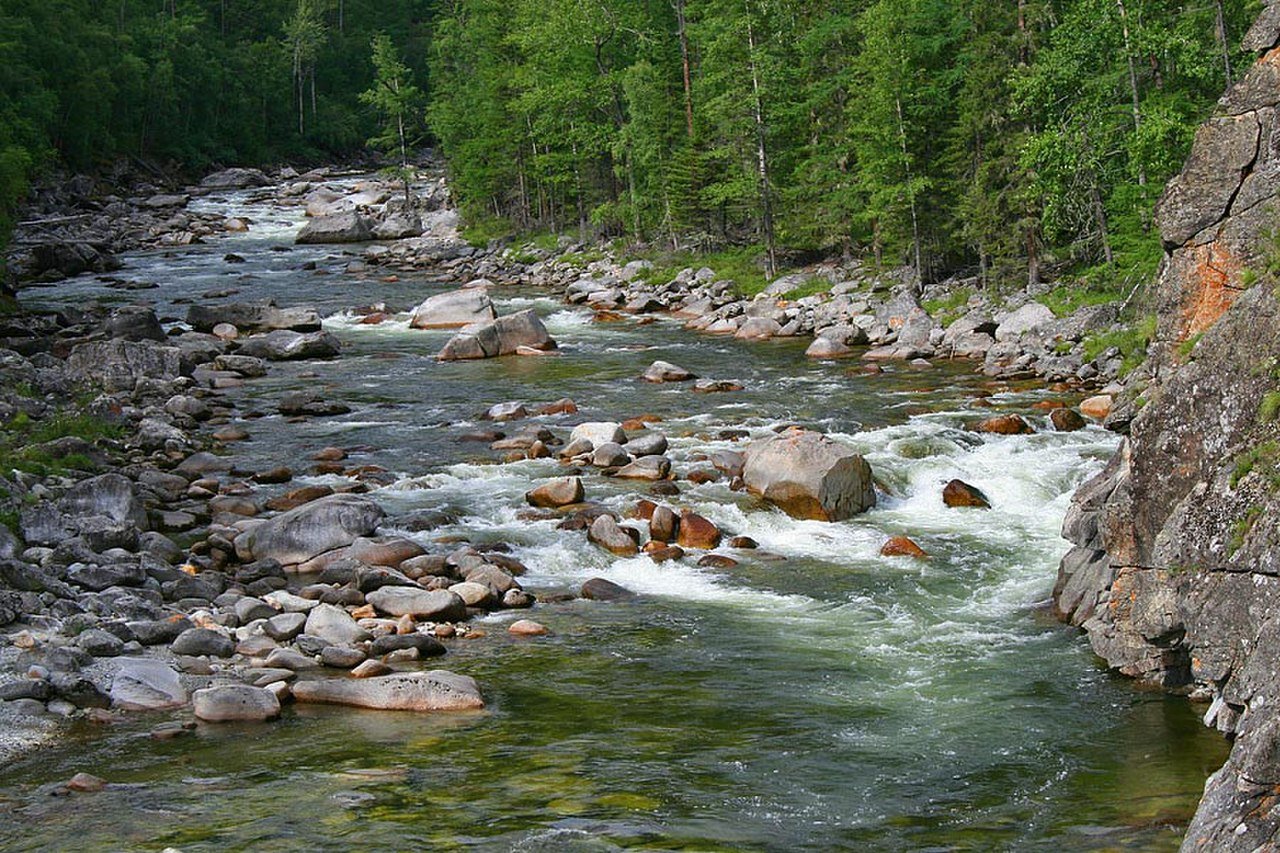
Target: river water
(816, 696)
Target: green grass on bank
(1131, 341)
(744, 265)
(25, 442)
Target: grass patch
(1188, 346)
(23, 442)
(1241, 528)
(812, 287)
(1131, 341)
(1270, 406)
(950, 308)
(1067, 299)
(480, 232)
(1261, 459)
(741, 264)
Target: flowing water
(816, 696)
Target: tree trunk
(1033, 258)
(1100, 216)
(911, 197)
(1133, 84)
(762, 155)
(1220, 30)
(1024, 41)
(684, 62)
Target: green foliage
(949, 308)
(1187, 347)
(1068, 298)
(1262, 459)
(743, 265)
(24, 442)
(812, 287)
(1241, 528)
(1131, 341)
(1270, 406)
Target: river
(816, 696)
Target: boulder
(809, 476)
(664, 524)
(901, 546)
(336, 228)
(1066, 420)
(333, 625)
(598, 433)
(235, 702)
(828, 348)
(527, 628)
(758, 329)
(118, 364)
(958, 493)
(1097, 407)
(606, 533)
(203, 641)
(235, 179)
(252, 317)
(313, 528)
(503, 336)
(1005, 425)
(665, 371)
(437, 690)
(135, 323)
(437, 605)
(609, 455)
(1017, 323)
(697, 532)
(556, 493)
(286, 345)
(142, 684)
(599, 589)
(109, 495)
(454, 309)
(645, 468)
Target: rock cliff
(1175, 569)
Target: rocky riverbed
(310, 502)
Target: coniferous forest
(1013, 140)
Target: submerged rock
(809, 476)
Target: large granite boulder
(249, 317)
(454, 309)
(338, 228)
(503, 336)
(809, 476)
(286, 345)
(118, 364)
(311, 529)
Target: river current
(816, 696)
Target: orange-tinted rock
(644, 509)
(660, 553)
(297, 497)
(958, 493)
(1006, 425)
(901, 546)
(1049, 405)
(1097, 407)
(697, 532)
(527, 628)
(664, 524)
(330, 454)
(717, 561)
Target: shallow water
(816, 696)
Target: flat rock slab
(437, 690)
(147, 685)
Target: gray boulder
(235, 702)
(285, 345)
(336, 228)
(253, 317)
(334, 625)
(118, 364)
(809, 476)
(1017, 323)
(503, 336)
(146, 685)
(454, 309)
(437, 605)
(313, 528)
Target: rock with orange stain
(901, 546)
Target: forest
(1014, 140)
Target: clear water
(817, 696)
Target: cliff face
(1175, 573)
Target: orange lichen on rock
(1213, 285)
